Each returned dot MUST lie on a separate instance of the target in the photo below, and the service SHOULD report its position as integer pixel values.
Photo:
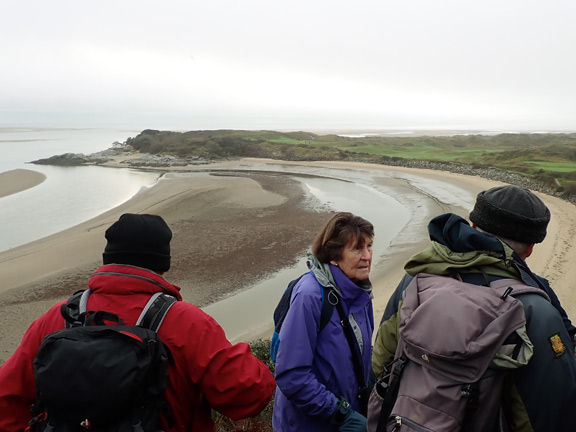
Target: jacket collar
(127, 279)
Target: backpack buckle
(43, 416)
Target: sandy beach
(18, 180)
(232, 228)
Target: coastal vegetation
(547, 160)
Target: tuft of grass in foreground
(263, 421)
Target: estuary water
(250, 310)
(70, 195)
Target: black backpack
(99, 377)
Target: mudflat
(232, 229)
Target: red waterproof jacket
(208, 371)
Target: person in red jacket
(208, 372)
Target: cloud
(365, 62)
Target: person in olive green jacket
(507, 222)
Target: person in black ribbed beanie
(511, 212)
(204, 367)
(141, 240)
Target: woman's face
(355, 262)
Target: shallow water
(363, 191)
(253, 308)
(69, 195)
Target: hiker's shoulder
(307, 287)
(183, 314)
(537, 306)
(51, 320)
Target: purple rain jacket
(315, 368)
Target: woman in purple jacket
(318, 387)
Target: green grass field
(558, 167)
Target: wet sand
(18, 180)
(232, 229)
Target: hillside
(549, 160)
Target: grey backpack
(456, 341)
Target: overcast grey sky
(490, 64)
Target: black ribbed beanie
(142, 240)
(511, 212)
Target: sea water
(69, 195)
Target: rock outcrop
(72, 159)
(145, 160)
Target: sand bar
(18, 180)
(233, 228)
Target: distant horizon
(281, 121)
(344, 130)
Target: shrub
(261, 350)
(570, 189)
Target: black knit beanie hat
(511, 212)
(142, 240)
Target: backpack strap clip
(101, 318)
(387, 388)
(43, 416)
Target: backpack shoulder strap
(74, 309)
(284, 304)
(155, 310)
(327, 305)
(351, 339)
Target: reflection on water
(253, 308)
(386, 214)
(70, 195)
